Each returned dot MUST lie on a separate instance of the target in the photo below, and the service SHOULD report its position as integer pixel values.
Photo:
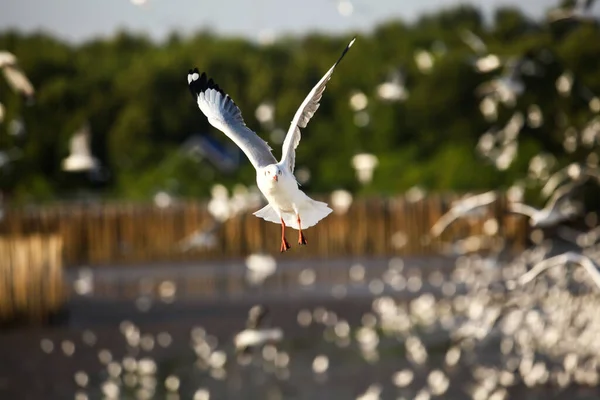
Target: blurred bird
(509, 85)
(80, 158)
(561, 260)
(580, 11)
(364, 164)
(202, 239)
(558, 209)
(15, 77)
(221, 208)
(253, 335)
(484, 61)
(394, 88)
(573, 171)
(461, 208)
(259, 268)
(288, 205)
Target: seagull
(394, 89)
(253, 335)
(558, 209)
(573, 171)
(462, 208)
(259, 267)
(202, 238)
(509, 85)
(80, 158)
(569, 257)
(15, 76)
(287, 204)
(581, 11)
(484, 61)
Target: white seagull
(558, 209)
(15, 78)
(80, 158)
(569, 257)
(462, 208)
(253, 335)
(573, 171)
(288, 205)
(581, 11)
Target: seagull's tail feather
(311, 212)
(268, 214)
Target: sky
(80, 20)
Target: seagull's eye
(279, 172)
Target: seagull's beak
(275, 178)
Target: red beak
(275, 178)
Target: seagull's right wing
(224, 114)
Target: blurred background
(457, 143)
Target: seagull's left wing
(304, 114)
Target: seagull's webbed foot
(285, 246)
(301, 238)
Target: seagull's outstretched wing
(304, 114)
(520, 208)
(224, 114)
(569, 257)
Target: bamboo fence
(129, 233)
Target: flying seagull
(569, 257)
(288, 205)
(254, 335)
(558, 209)
(16, 79)
(80, 157)
(461, 208)
(580, 11)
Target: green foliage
(133, 92)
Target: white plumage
(80, 157)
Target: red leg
(301, 238)
(285, 246)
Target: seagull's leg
(301, 238)
(285, 246)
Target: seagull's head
(272, 173)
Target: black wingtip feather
(345, 51)
(199, 83)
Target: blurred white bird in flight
(288, 205)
